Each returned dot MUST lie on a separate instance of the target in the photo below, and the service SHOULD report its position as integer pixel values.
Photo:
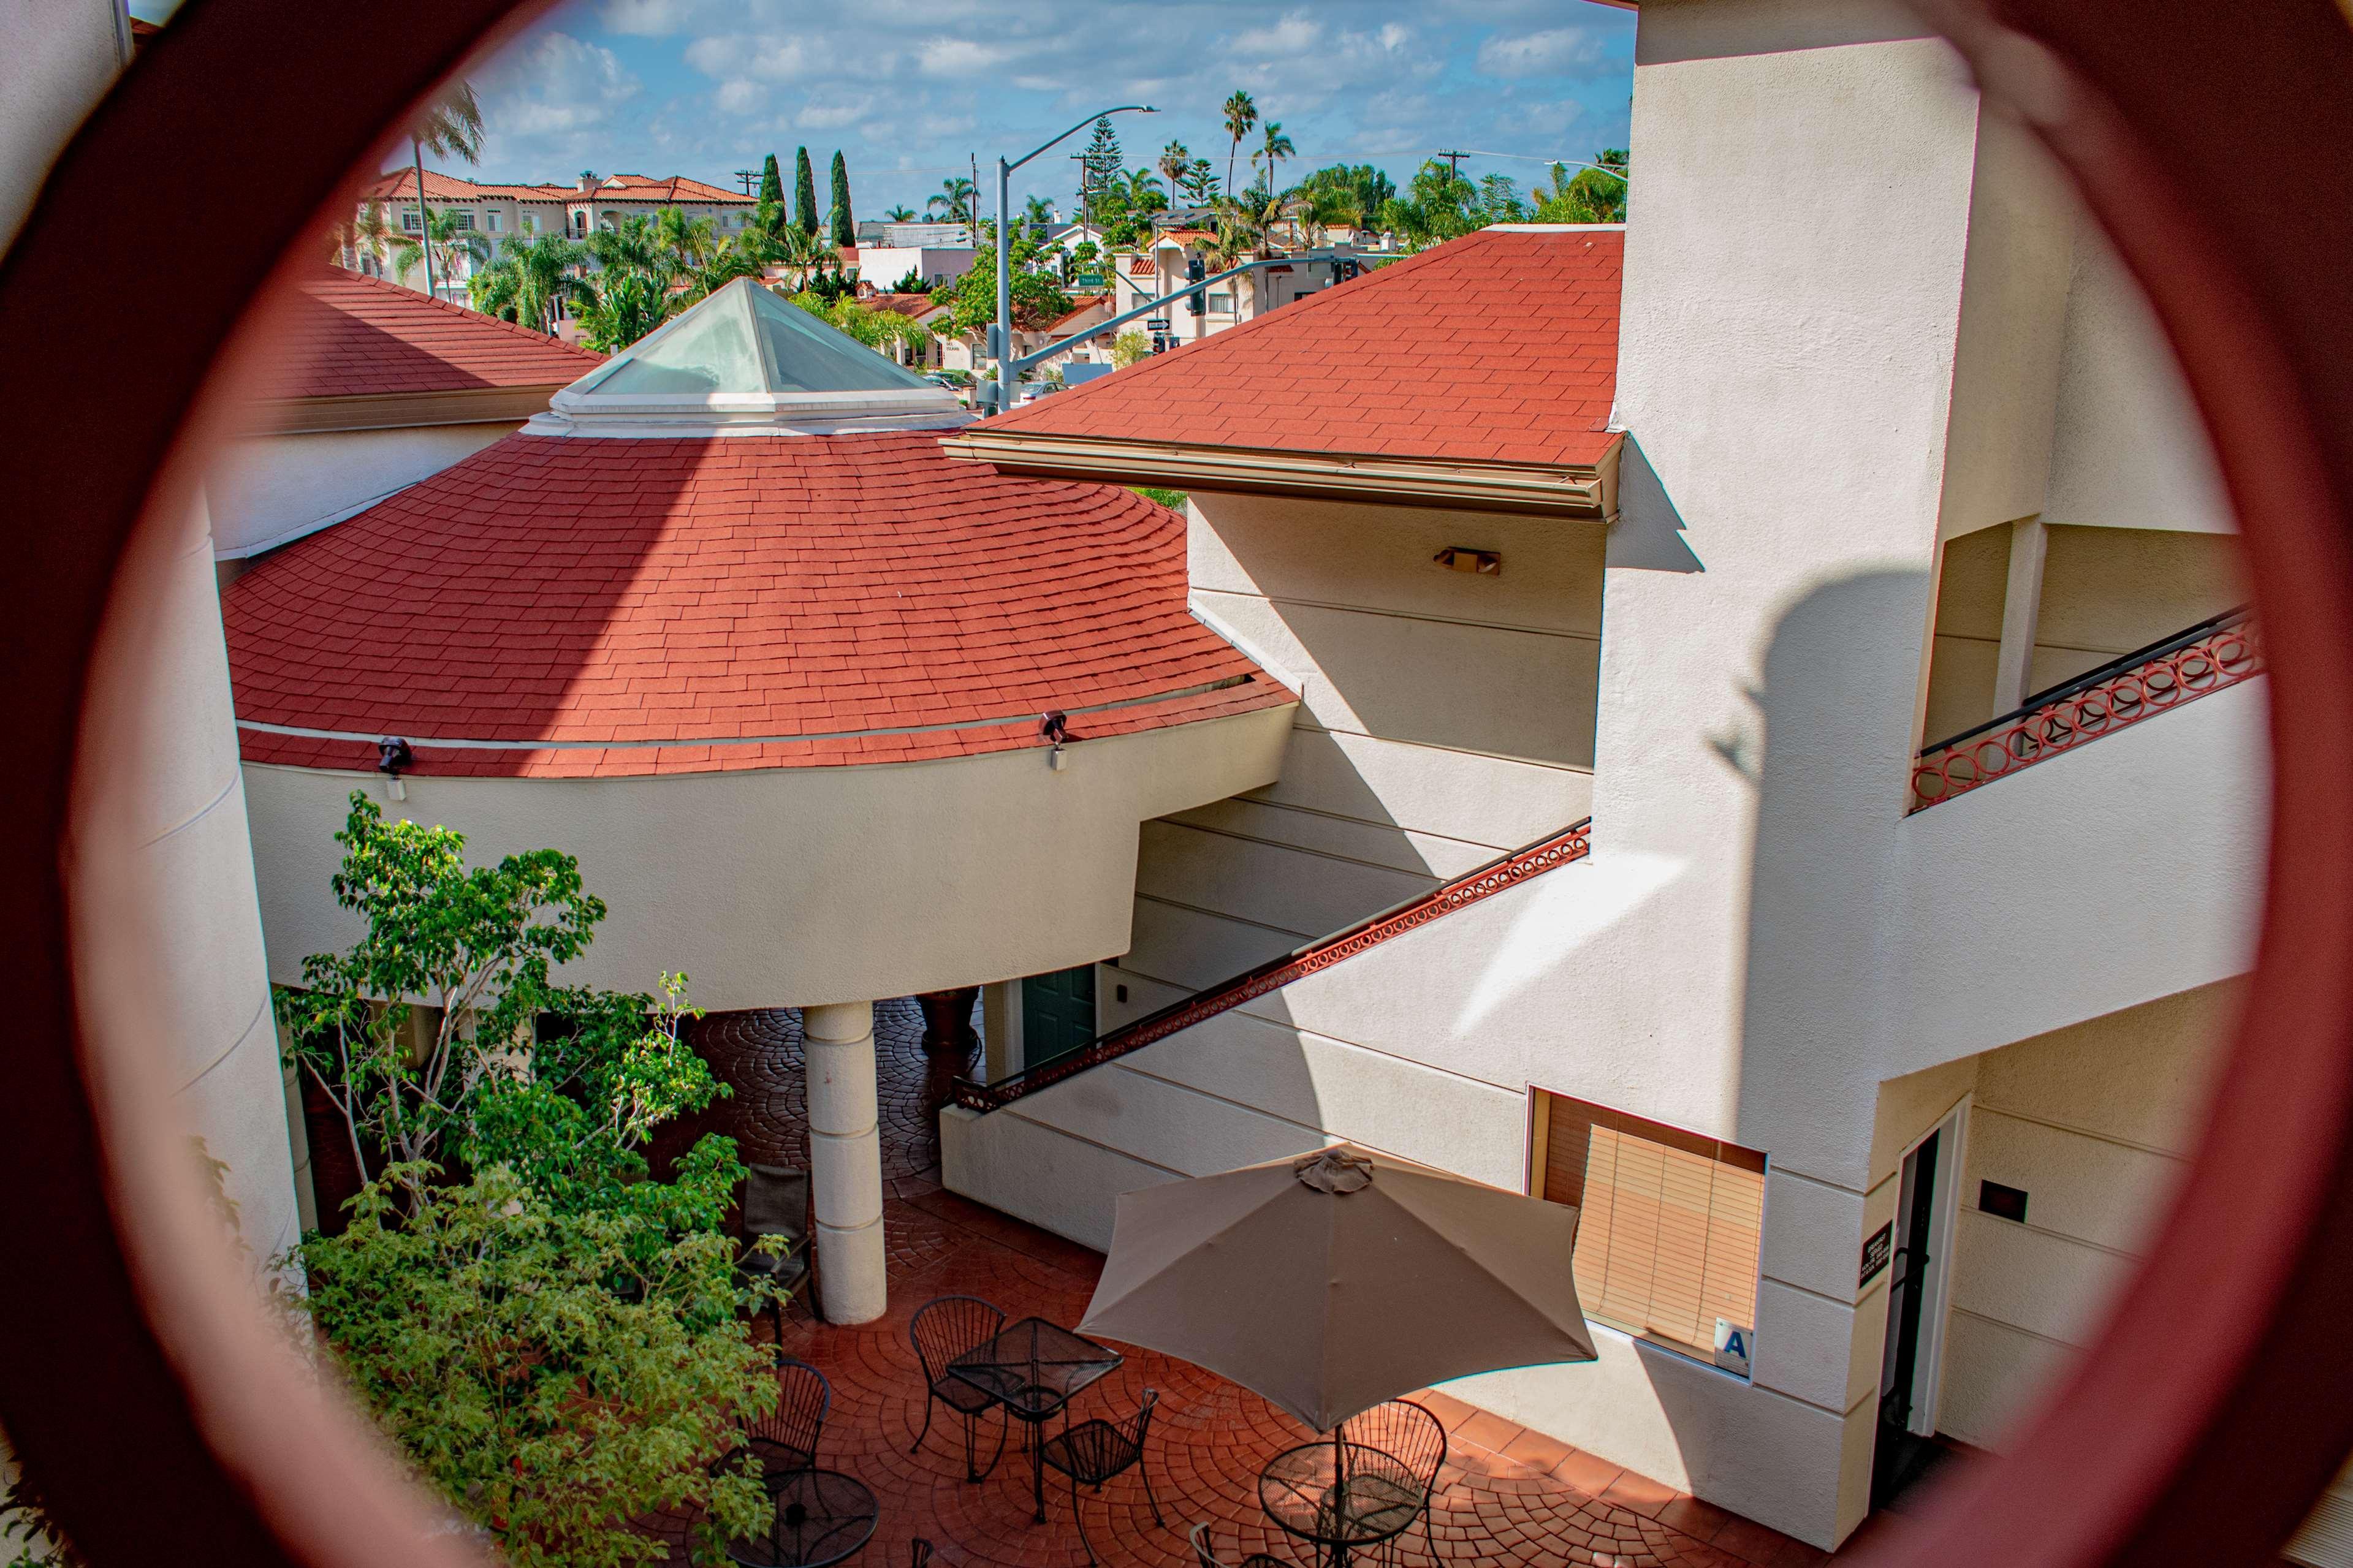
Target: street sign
(1156, 323)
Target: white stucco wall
(802, 885)
(268, 491)
(56, 57)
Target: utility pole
(1453, 157)
(747, 178)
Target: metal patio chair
(942, 1330)
(776, 1203)
(1094, 1450)
(786, 1439)
(1205, 1555)
(1413, 1437)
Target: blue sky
(911, 89)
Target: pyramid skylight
(744, 360)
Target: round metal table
(822, 1515)
(1339, 1496)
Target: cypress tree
(804, 193)
(772, 192)
(845, 231)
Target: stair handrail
(2216, 653)
(1571, 844)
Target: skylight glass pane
(810, 356)
(707, 352)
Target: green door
(1058, 1013)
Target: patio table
(1033, 1368)
(1339, 1496)
(822, 1516)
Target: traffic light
(1195, 270)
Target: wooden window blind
(1671, 1223)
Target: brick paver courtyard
(1508, 1496)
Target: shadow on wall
(1648, 533)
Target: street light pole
(1001, 349)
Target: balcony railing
(1570, 844)
(2209, 656)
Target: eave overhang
(400, 410)
(1585, 492)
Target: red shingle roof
(843, 589)
(1501, 347)
(362, 337)
(1080, 305)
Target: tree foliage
(805, 217)
(844, 227)
(1443, 203)
(448, 243)
(955, 202)
(1591, 195)
(533, 280)
(508, 1066)
(553, 1372)
(772, 192)
(1038, 297)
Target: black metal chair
(1415, 1438)
(786, 1439)
(1205, 1555)
(942, 1330)
(776, 1203)
(1094, 1450)
(918, 1552)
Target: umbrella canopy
(1332, 1281)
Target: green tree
(845, 227)
(1241, 117)
(369, 235)
(1174, 163)
(900, 213)
(1442, 204)
(772, 192)
(450, 126)
(1101, 165)
(912, 283)
(1591, 195)
(877, 329)
(444, 242)
(804, 192)
(1200, 183)
(1036, 213)
(1036, 288)
(505, 1065)
(1366, 187)
(533, 280)
(554, 1374)
(1129, 347)
(954, 201)
(1272, 150)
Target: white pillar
(2021, 608)
(845, 1161)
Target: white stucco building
(1871, 1082)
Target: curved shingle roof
(707, 604)
(352, 336)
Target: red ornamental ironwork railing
(1571, 844)
(2207, 657)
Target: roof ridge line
(467, 312)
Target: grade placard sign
(1876, 1251)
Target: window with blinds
(1671, 1222)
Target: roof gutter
(399, 410)
(1586, 491)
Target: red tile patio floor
(1507, 1496)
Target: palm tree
(1242, 115)
(1144, 193)
(1276, 148)
(632, 246)
(451, 125)
(1312, 209)
(901, 214)
(1036, 213)
(1174, 163)
(368, 235)
(442, 241)
(534, 279)
(693, 241)
(955, 197)
(804, 257)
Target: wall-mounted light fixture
(393, 758)
(1455, 557)
(1056, 728)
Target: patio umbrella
(1332, 1281)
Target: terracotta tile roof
(396, 184)
(642, 599)
(1501, 347)
(362, 337)
(910, 305)
(1080, 305)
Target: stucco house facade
(1871, 1058)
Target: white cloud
(555, 86)
(1293, 35)
(960, 57)
(647, 18)
(834, 116)
(741, 97)
(1556, 52)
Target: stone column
(845, 1161)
